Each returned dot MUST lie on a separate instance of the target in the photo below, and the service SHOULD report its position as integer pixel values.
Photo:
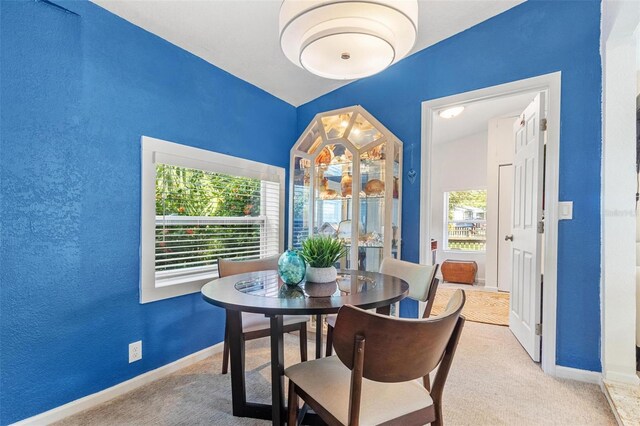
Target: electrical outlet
(135, 351)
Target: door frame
(550, 84)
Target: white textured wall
(499, 152)
(619, 21)
(637, 37)
(457, 165)
(637, 277)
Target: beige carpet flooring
(492, 382)
(488, 307)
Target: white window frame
(160, 151)
(446, 222)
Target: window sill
(203, 278)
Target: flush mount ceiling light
(345, 40)
(451, 112)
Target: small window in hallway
(466, 226)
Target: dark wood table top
(264, 293)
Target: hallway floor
(489, 307)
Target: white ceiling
(475, 117)
(241, 36)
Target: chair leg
(225, 352)
(438, 409)
(303, 342)
(293, 405)
(329, 350)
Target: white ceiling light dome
(451, 112)
(345, 40)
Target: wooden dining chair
(255, 326)
(375, 377)
(422, 281)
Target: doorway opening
(489, 204)
(472, 186)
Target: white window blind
(202, 216)
(199, 206)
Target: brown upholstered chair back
(396, 350)
(228, 267)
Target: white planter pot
(321, 275)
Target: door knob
(508, 237)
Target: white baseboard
(628, 379)
(90, 401)
(478, 282)
(579, 375)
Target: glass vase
(291, 268)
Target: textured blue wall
(78, 91)
(534, 38)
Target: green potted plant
(321, 253)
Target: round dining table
(264, 292)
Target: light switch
(565, 210)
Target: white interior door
(525, 300)
(505, 204)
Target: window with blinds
(199, 206)
(202, 216)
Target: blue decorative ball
(291, 268)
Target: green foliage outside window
(473, 198)
(191, 192)
(183, 191)
(467, 233)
